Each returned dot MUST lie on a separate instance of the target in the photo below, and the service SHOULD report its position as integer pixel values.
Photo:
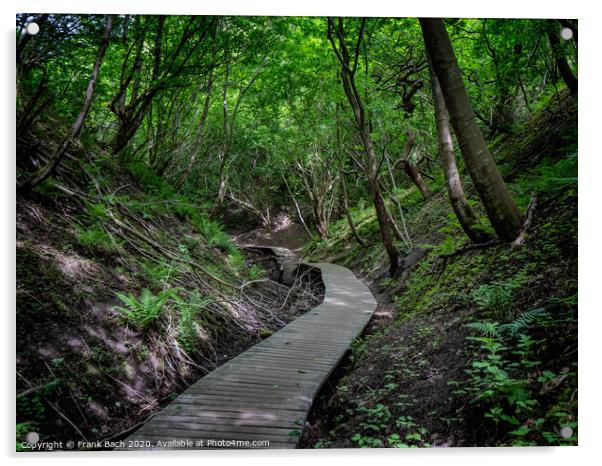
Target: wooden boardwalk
(261, 398)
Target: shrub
(97, 212)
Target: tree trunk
(56, 158)
(466, 216)
(133, 116)
(30, 112)
(386, 233)
(221, 193)
(410, 167)
(563, 66)
(501, 209)
(356, 234)
(320, 217)
(190, 166)
(411, 170)
(348, 70)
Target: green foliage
(237, 260)
(494, 297)
(158, 274)
(150, 182)
(365, 441)
(96, 240)
(190, 328)
(256, 272)
(216, 237)
(22, 429)
(553, 176)
(498, 298)
(47, 188)
(34, 406)
(498, 380)
(144, 311)
(97, 212)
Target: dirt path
(282, 233)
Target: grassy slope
(438, 366)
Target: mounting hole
(566, 432)
(566, 33)
(32, 29)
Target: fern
(190, 330)
(524, 320)
(143, 311)
(494, 297)
(489, 329)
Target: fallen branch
(471, 247)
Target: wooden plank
(175, 433)
(236, 412)
(233, 421)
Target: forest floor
(477, 348)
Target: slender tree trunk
(221, 193)
(563, 66)
(320, 216)
(348, 69)
(386, 233)
(501, 209)
(136, 110)
(356, 234)
(58, 155)
(225, 151)
(310, 234)
(190, 166)
(405, 235)
(411, 170)
(410, 167)
(191, 162)
(30, 112)
(466, 216)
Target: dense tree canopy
(293, 104)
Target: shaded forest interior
(437, 159)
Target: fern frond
(490, 329)
(524, 320)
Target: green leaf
(521, 431)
